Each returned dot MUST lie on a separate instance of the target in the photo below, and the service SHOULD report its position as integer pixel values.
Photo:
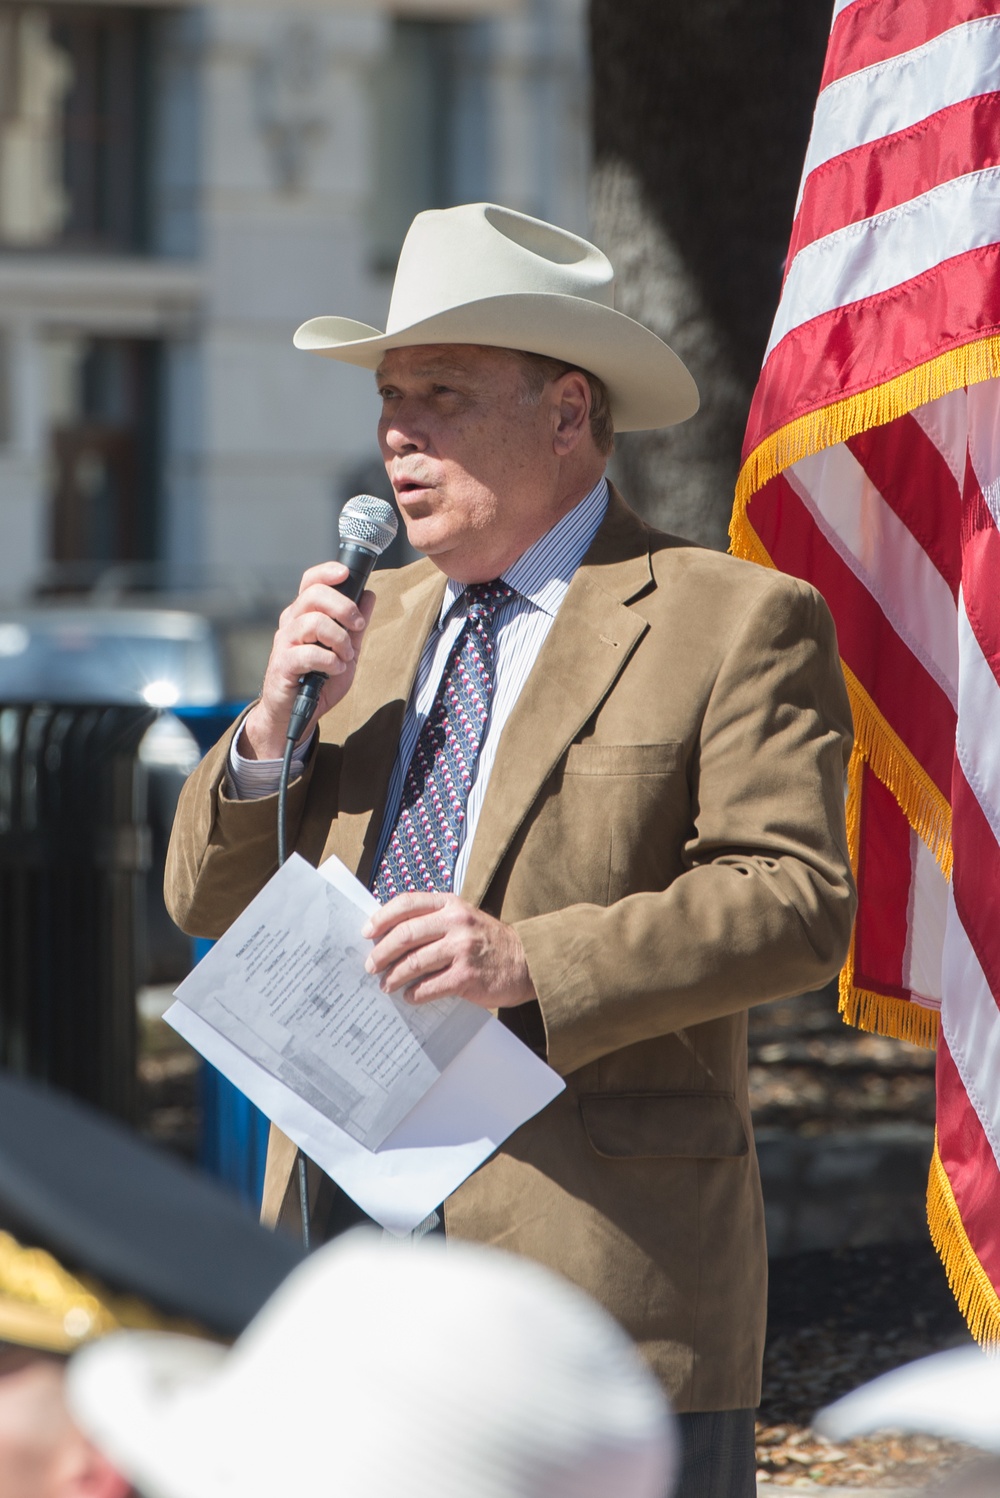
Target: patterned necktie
(423, 849)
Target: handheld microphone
(367, 526)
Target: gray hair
(539, 369)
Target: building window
(430, 137)
(73, 127)
(103, 409)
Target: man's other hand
(436, 945)
(320, 631)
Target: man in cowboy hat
(594, 775)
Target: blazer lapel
(378, 701)
(586, 648)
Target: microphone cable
(366, 527)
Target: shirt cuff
(252, 779)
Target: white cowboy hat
(954, 1394)
(487, 275)
(379, 1369)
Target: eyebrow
(433, 367)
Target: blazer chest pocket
(664, 1125)
(624, 759)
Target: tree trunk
(701, 115)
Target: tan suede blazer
(664, 826)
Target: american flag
(872, 467)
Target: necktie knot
(483, 600)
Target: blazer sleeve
(223, 851)
(765, 902)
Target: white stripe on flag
(984, 441)
(888, 96)
(926, 917)
(884, 555)
(978, 717)
(946, 422)
(863, 259)
(971, 1023)
(840, 5)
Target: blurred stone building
(179, 187)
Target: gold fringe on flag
(923, 804)
(743, 539)
(886, 1014)
(968, 365)
(977, 1299)
(881, 1013)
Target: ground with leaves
(837, 1318)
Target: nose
(400, 429)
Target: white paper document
(287, 985)
(399, 1104)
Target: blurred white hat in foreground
(379, 1369)
(954, 1394)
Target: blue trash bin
(233, 1142)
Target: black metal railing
(74, 848)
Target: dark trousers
(718, 1458)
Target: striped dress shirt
(539, 578)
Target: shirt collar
(544, 572)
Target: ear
(85, 1472)
(571, 409)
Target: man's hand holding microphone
(427, 945)
(316, 645)
(321, 631)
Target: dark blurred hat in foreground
(100, 1230)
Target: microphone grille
(369, 522)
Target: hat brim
(955, 1394)
(120, 1391)
(647, 384)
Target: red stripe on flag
(977, 876)
(908, 697)
(885, 873)
(915, 481)
(980, 571)
(969, 1162)
(873, 30)
(865, 343)
(895, 168)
